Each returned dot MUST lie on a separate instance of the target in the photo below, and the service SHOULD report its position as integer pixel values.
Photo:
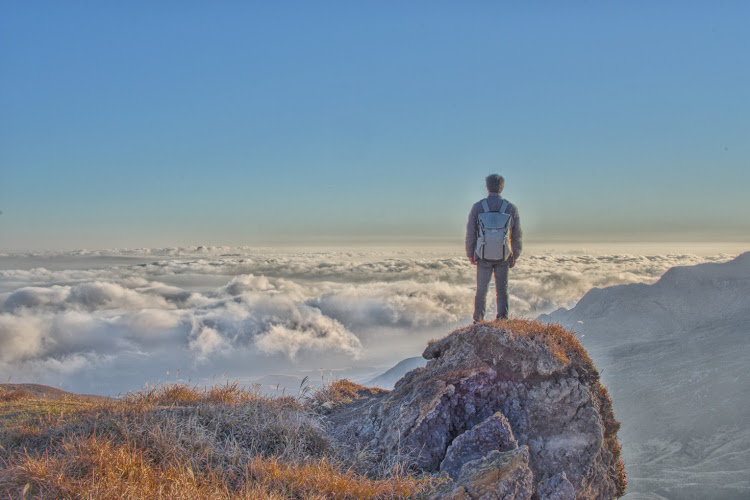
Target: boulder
(496, 476)
(506, 402)
(494, 433)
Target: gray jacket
(494, 200)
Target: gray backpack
(493, 238)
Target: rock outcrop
(511, 409)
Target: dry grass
(322, 477)
(94, 468)
(561, 342)
(177, 441)
(611, 427)
(7, 396)
(21, 411)
(343, 391)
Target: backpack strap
(486, 206)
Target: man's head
(495, 183)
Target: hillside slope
(389, 378)
(674, 356)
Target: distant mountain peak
(388, 379)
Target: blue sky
(175, 123)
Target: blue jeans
(485, 270)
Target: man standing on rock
(493, 244)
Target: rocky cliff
(511, 409)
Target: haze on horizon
(172, 124)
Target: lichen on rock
(512, 401)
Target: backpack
(493, 238)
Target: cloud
(92, 296)
(113, 317)
(35, 297)
(205, 341)
(403, 303)
(19, 337)
(309, 331)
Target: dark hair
(495, 183)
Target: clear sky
(126, 124)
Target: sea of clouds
(107, 322)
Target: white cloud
(31, 297)
(206, 309)
(309, 331)
(20, 337)
(205, 341)
(403, 303)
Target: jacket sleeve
(471, 232)
(516, 236)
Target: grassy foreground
(177, 441)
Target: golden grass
(561, 342)
(21, 410)
(343, 391)
(178, 441)
(95, 468)
(178, 394)
(322, 477)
